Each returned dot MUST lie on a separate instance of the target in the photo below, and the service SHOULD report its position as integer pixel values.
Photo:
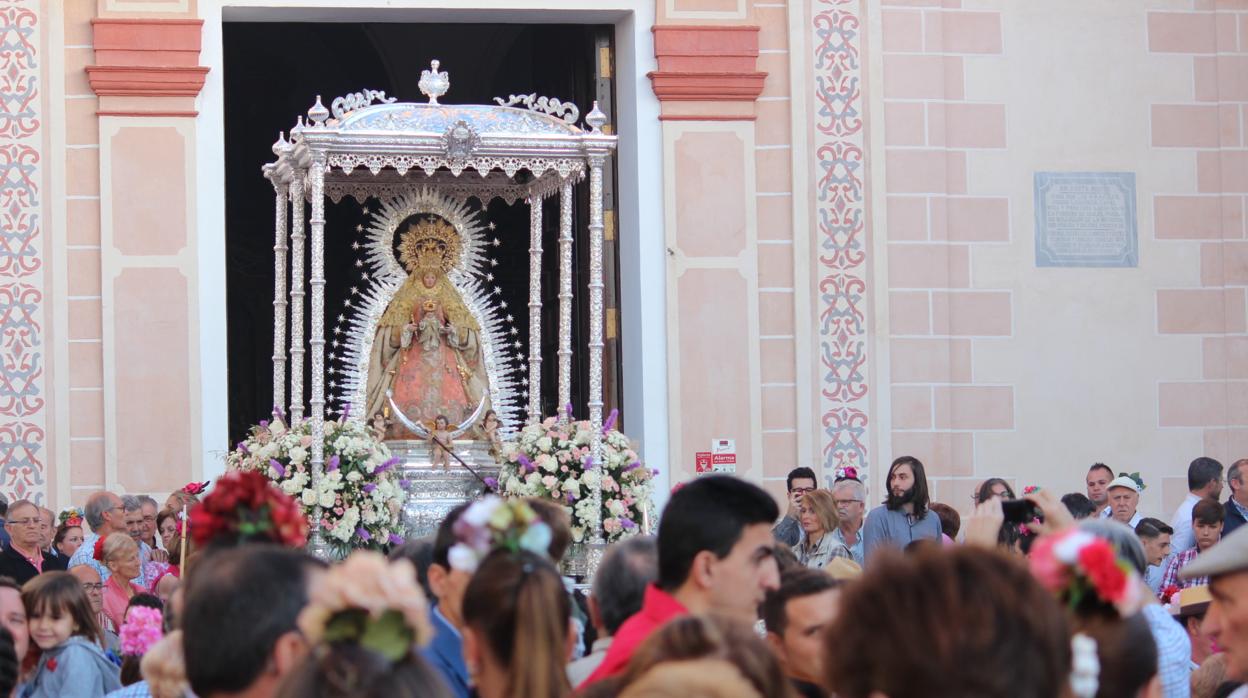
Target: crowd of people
(1037, 593)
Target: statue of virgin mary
(426, 348)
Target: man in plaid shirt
(1207, 518)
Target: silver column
(316, 543)
(596, 161)
(565, 300)
(281, 201)
(297, 280)
(535, 309)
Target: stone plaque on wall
(1086, 219)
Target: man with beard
(904, 517)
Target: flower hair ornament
(846, 472)
(1085, 666)
(245, 506)
(369, 602)
(143, 628)
(97, 552)
(72, 516)
(1085, 573)
(196, 488)
(492, 522)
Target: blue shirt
(1174, 652)
(446, 654)
(895, 528)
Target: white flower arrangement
(550, 460)
(360, 493)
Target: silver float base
(433, 492)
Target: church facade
(1007, 238)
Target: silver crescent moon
(422, 432)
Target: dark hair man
(1237, 504)
(1155, 536)
(619, 587)
(446, 651)
(800, 481)
(904, 516)
(1078, 505)
(1098, 479)
(795, 615)
(715, 554)
(239, 636)
(23, 558)
(1206, 523)
(1204, 480)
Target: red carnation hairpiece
(98, 552)
(196, 488)
(245, 506)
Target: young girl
(441, 432)
(65, 639)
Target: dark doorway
(274, 71)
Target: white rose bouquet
(360, 493)
(552, 460)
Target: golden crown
(429, 244)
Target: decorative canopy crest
(434, 84)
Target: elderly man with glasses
(105, 515)
(24, 558)
(850, 498)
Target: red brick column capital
(147, 57)
(707, 63)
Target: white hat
(1125, 481)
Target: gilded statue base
(433, 492)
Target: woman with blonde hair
(120, 554)
(816, 546)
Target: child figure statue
(441, 433)
(489, 433)
(380, 424)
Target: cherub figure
(489, 432)
(380, 424)
(441, 433)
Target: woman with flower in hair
(68, 533)
(120, 554)
(366, 620)
(1114, 652)
(517, 630)
(517, 635)
(142, 629)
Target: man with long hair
(904, 517)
